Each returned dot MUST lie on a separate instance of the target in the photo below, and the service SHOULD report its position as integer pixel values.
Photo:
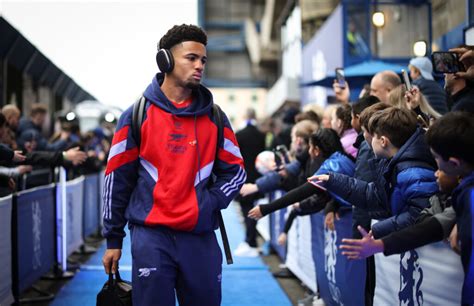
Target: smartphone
(318, 184)
(283, 154)
(446, 62)
(406, 79)
(341, 80)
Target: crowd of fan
(402, 157)
(28, 158)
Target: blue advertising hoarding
(34, 214)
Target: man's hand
(248, 189)
(24, 169)
(321, 177)
(329, 220)
(412, 98)
(453, 240)
(361, 248)
(255, 213)
(18, 157)
(110, 260)
(75, 156)
(282, 239)
(466, 57)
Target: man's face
(446, 183)
(367, 136)
(378, 88)
(13, 120)
(355, 122)
(449, 81)
(189, 61)
(414, 74)
(39, 119)
(378, 146)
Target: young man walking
(168, 184)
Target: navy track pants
(168, 264)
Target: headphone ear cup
(164, 60)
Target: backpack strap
(138, 115)
(218, 119)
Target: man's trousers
(169, 263)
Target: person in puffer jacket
(323, 144)
(171, 186)
(405, 173)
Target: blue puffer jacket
(337, 163)
(404, 185)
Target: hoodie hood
(201, 105)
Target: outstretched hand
(255, 213)
(248, 189)
(361, 248)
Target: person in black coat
(421, 73)
(461, 93)
(251, 142)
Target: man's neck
(175, 93)
(457, 88)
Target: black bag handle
(114, 280)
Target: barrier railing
(41, 227)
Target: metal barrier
(40, 228)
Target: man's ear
(384, 141)
(456, 162)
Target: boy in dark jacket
(405, 172)
(451, 139)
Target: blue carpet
(247, 282)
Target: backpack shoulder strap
(138, 115)
(219, 120)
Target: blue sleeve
(293, 168)
(119, 182)
(370, 196)
(271, 181)
(229, 171)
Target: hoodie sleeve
(120, 180)
(229, 169)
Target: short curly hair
(180, 33)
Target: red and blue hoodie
(173, 178)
